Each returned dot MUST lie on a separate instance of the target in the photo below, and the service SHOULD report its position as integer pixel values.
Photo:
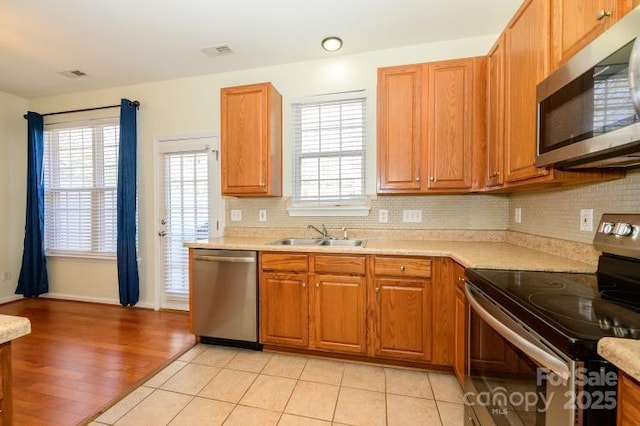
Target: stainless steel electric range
(532, 349)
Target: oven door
(515, 377)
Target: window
(329, 134)
(80, 175)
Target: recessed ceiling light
(331, 44)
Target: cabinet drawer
(284, 262)
(403, 266)
(337, 264)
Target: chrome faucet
(324, 232)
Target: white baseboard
(106, 301)
(10, 298)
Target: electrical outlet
(6, 276)
(383, 216)
(262, 215)
(586, 220)
(236, 215)
(518, 215)
(413, 216)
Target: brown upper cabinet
(251, 141)
(526, 64)
(575, 23)
(431, 127)
(521, 57)
(495, 115)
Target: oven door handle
(516, 334)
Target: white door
(189, 209)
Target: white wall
(191, 105)
(13, 177)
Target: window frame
(357, 206)
(98, 190)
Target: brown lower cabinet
(393, 307)
(313, 302)
(628, 400)
(460, 327)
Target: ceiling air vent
(217, 50)
(73, 73)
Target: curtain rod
(131, 104)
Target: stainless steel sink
(343, 243)
(296, 242)
(318, 242)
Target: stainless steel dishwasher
(225, 299)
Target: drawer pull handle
(602, 14)
(402, 268)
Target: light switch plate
(518, 215)
(383, 216)
(236, 215)
(262, 215)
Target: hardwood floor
(80, 357)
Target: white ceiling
(121, 42)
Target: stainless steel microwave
(589, 108)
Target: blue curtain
(128, 281)
(33, 279)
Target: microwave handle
(634, 74)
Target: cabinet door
(495, 115)
(526, 66)
(449, 123)
(339, 315)
(443, 308)
(575, 23)
(460, 340)
(284, 309)
(400, 142)
(403, 318)
(251, 140)
(628, 400)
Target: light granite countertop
(623, 353)
(12, 327)
(471, 254)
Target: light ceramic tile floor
(213, 385)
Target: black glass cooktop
(564, 308)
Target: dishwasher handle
(229, 259)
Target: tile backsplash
(474, 212)
(556, 212)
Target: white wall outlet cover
(383, 216)
(518, 215)
(412, 216)
(262, 215)
(586, 220)
(236, 215)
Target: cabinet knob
(402, 268)
(602, 14)
(263, 184)
(304, 285)
(317, 285)
(432, 179)
(460, 279)
(495, 174)
(377, 289)
(418, 179)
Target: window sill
(329, 210)
(84, 256)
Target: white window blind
(187, 215)
(80, 174)
(329, 149)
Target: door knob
(162, 233)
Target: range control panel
(619, 234)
